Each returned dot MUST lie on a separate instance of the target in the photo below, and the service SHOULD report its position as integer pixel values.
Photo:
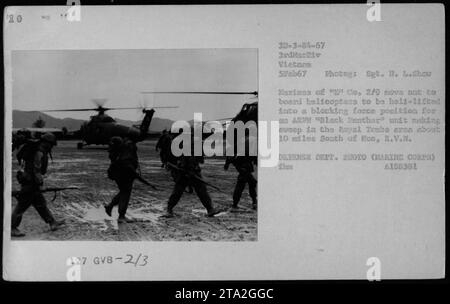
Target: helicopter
(248, 112)
(101, 127)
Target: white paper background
(322, 221)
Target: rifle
(142, 180)
(194, 176)
(15, 193)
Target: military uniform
(189, 167)
(123, 170)
(35, 163)
(170, 158)
(244, 165)
(20, 138)
(163, 146)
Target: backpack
(27, 150)
(124, 161)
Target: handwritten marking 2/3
(136, 260)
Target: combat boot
(234, 207)
(168, 214)
(213, 211)
(55, 225)
(16, 232)
(124, 220)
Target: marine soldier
(163, 146)
(20, 138)
(172, 159)
(123, 170)
(244, 165)
(34, 158)
(187, 172)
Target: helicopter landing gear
(79, 146)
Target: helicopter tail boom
(145, 125)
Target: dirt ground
(86, 219)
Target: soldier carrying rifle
(33, 156)
(244, 166)
(123, 170)
(187, 172)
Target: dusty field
(85, 217)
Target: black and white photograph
(224, 143)
(92, 145)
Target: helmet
(50, 138)
(24, 132)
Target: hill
(25, 119)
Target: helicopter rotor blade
(67, 110)
(95, 109)
(112, 109)
(92, 109)
(140, 108)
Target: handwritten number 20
(11, 18)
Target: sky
(67, 79)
